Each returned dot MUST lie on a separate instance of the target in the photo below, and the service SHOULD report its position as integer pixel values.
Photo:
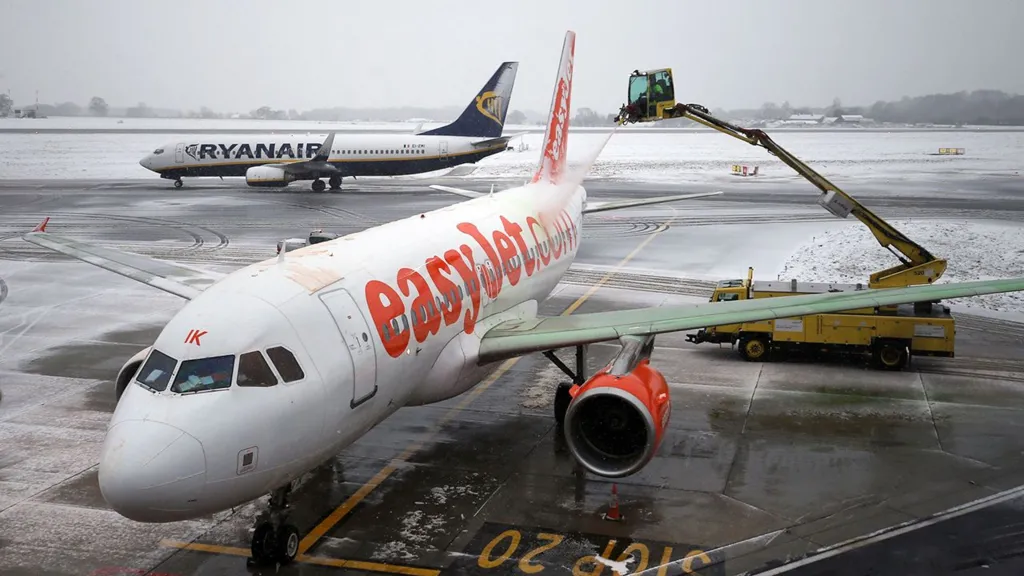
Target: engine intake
(269, 176)
(616, 420)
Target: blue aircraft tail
(485, 115)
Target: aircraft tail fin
(485, 115)
(556, 135)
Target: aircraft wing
(499, 140)
(178, 279)
(605, 206)
(318, 163)
(518, 337)
(592, 206)
(459, 191)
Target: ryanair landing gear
(274, 541)
(318, 185)
(178, 183)
(335, 182)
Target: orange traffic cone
(613, 513)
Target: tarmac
(763, 463)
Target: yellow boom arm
(917, 265)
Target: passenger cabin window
(286, 364)
(156, 372)
(204, 374)
(254, 371)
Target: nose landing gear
(274, 541)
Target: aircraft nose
(147, 163)
(151, 472)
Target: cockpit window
(156, 372)
(158, 151)
(253, 370)
(204, 374)
(286, 364)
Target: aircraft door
(179, 153)
(442, 150)
(356, 333)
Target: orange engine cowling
(615, 422)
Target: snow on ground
(974, 250)
(677, 156)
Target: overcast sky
(239, 55)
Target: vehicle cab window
(287, 366)
(727, 296)
(156, 372)
(204, 374)
(637, 89)
(253, 371)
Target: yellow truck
(891, 334)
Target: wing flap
(515, 338)
(606, 206)
(177, 279)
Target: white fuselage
(441, 278)
(351, 154)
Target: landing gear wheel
(178, 183)
(562, 400)
(890, 355)
(335, 182)
(264, 544)
(287, 544)
(753, 348)
(274, 541)
(318, 185)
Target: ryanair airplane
(278, 160)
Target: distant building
(850, 119)
(806, 118)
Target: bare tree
(98, 106)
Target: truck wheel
(890, 355)
(754, 348)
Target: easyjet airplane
(269, 371)
(277, 160)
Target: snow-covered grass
(670, 157)
(974, 250)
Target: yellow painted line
(572, 308)
(211, 548)
(318, 560)
(339, 513)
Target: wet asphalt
(762, 462)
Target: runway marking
(340, 512)
(898, 529)
(303, 558)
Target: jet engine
(128, 371)
(617, 418)
(271, 176)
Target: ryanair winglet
(485, 116)
(556, 135)
(325, 150)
